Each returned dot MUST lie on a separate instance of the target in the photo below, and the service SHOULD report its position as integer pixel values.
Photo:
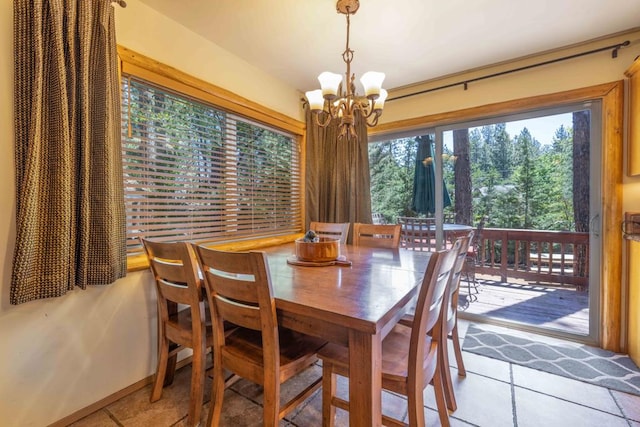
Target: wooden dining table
(354, 305)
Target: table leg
(365, 379)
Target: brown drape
(69, 196)
(338, 182)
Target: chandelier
(332, 101)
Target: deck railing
(540, 256)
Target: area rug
(589, 364)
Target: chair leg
(161, 369)
(197, 385)
(441, 401)
(328, 391)
(171, 364)
(415, 404)
(443, 365)
(458, 351)
(271, 401)
(217, 393)
(471, 280)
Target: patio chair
(175, 270)
(418, 234)
(410, 354)
(378, 218)
(376, 235)
(336, 230)
(239, 290)
(473, 258)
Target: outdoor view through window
(523, 185)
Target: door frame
(611, 97)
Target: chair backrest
(177, 277)
(239, 291)
(454, 280)
(417, 233)
(336, 230)
(376, 235)
(433, 296)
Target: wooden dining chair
(239, 290)
(376, 235)
(336, 230)
(175, 270)
(410, 354)
(450, 319)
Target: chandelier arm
(343, 104)
(365, 106)
(374, 121)
(325, 123)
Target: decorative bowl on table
(326, 249)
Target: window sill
(138, 262)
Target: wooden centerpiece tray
(341, 260)
(321, 253)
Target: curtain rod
(121, 3)
(465, 83)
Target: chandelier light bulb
(372, 83)
(379, 103)
(329, 83)
(315, 99)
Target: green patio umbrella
(424, 180)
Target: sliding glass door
(528, 184)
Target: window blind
(193, 172)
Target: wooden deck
(558, 308)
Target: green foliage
(392, 166)
(517, 182)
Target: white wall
(63, 354)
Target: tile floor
(493, 394)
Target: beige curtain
(69, 198)
(338, 184)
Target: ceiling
(410, 40)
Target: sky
(541, 128)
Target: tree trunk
(581, 141)
(462, 172)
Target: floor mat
(580, 362)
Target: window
(195, 172)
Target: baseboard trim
(103, 403)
